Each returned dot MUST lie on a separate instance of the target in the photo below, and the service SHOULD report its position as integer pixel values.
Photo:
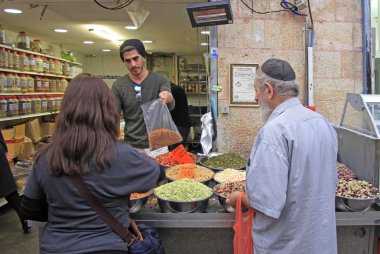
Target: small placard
(181, 155)
(186, 172)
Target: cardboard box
(15, 147)
(19, 131)
(8, 134)
(33, 130)
(28, 149)
(47, 129)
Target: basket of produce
(221, 161)
(229, 175)
(222, 191)
(183, 196)
(138, 200)
(354, 195)
(168, 160)
(190, 171)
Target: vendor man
(291, 176)
(136, 88)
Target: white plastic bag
(206, 137)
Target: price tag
(181, 155)
(186, 172)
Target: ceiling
(167, 25)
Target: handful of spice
(169, 160)
(226, 160)
(163, 137)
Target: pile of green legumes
(183, 190)
(226, 160)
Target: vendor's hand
(166, 97)
(232, 198)
(9, 157)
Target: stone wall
(253, 38)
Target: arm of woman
(34, 209)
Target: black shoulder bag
(143, 240)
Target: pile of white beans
(230, 175)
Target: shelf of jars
(2, 119)
(35, 73)
(31, 93)
(39, 54)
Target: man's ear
(269, 89)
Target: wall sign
(242, 92)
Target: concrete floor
(12, 238)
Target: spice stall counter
(212, 232)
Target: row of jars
(16, 60)
(22, 83)
(29, 104)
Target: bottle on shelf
(10, 82)
(38, 84)
(66, 68)
(2, 35)
(63, 85)
(24, 83)
(53, 85)
(45, 64)
(16, 60)
(9, 111)
(30, 83)
(23, 40)
(23, 61)
(3, 58)
(15, 106)
(39, 64)
(51, 66)
(3, 82)
(10, 59)
(38, 104)
(43, 104)
(45, 84)
(32, 63)
(21, 105)
(17, 84)
(3, 106)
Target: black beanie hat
(278, 69)
(135, 43)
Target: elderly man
(135, 88)
(291, 173)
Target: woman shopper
(85, 142)
(8, 188)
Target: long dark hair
(86, 128)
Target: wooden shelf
(4, 119)
(193, 81)
(194, 70)
(39, 54)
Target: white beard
(265, 110)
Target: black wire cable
(121, 6)
(311, 16)
(258, 12)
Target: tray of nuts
(355, 195)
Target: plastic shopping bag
(243, 242)
(162, 131)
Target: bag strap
(116, 226)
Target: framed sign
(242, 92)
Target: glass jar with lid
(38, 84)
(50, 103)
(3, 80)
(66, 68)
(9, 100)
(23, 40)
(63, 85)
(58, 67)
(10, 59)
(3, 58)
(21, 105)
(16, 61)
(46, 84)
(17, 84)
(23, 61)
(38, 104)
(23, 83)
(33, 104)
(32, 63)
(28, 104)
(45, 64)
(30, 83)
(39, 64)
(53, 85)
(15, 105)
(10, 82)
(3, 106)
(51, 66)
(43, 104)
